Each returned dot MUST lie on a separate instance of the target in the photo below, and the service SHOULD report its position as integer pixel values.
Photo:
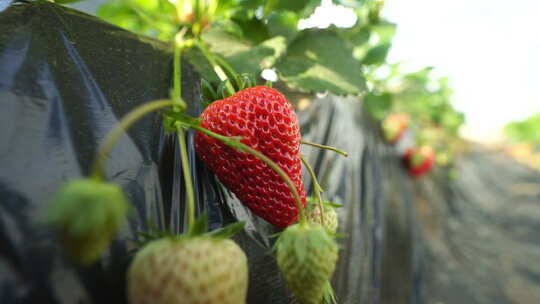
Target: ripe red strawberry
(394, 126)
(419, 160)
(188, 271)
(267, 123)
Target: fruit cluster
(249, 137)
(418, 160)
(251, 141)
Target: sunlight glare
(329, 14)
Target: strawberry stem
(187, 179)
(196, 28)
(316, 186)
(217, 69)
(179, 45)
(126, 122)
(324, 147)
(234, 142)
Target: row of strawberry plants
(249, 137)
(255, 35)
(305, 251)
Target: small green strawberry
(307, 255)
(189, 270)
(87, 214)
(330, 218)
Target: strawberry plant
(250, 36)
(524, 140)
(249, 136)
(251, 141)
(525, 130)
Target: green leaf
(451, 120)
(253, 29)
(385, 31)
(66, 1)
(283, 24)
(377, 55)
(357, 35)
(295, 5)
(208, 93)
(251, 4)
(303, 8)
(378, 105)
(352, 3)
(229, 27)
(320, 60)
(307, 9)
(145, 4)
(524, 131)
(227, 231)
(241, 54)
(154, 18)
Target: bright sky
(490, 50)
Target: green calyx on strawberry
(329, 217)
(394, 126)
(306, 255)
(199, 267)
(266, 122)
(87, 214)
(419, 160)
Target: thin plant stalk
(126, 122)
(316, 186)
(187, 178)
(324, 147)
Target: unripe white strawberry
(188, 270)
